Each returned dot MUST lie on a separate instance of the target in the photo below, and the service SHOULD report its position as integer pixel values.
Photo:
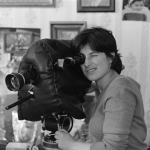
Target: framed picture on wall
(66, 30)
(95, 5)
(33, 3)
(129, 13)
(17, 42)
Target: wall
(133, 38)
(135, 48)
(65, 10)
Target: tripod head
(52, 122)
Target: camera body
(15, 81)
(48, 91)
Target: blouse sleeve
(119, 108)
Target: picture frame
(28, 3)
(66, 30)
(95, 5)
(17, 42)
(134, 15)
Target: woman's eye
(93, 55)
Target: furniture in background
(135, 17)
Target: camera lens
(16, 81)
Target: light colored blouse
(118, 119)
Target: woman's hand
(64, 139)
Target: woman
(117, 122)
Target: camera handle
(20, 101)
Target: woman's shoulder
(121, 82)
(120, 87)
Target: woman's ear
(113, 55)
(112, 58)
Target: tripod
(52, 122)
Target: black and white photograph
(96, 5)
(136, 10)
(74, 74)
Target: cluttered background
(23, 22)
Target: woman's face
(96, 64)
(137, 6)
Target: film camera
(56, 83)
(16, 81)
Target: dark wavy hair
(99, 40)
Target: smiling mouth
(90, 70)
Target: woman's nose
(87, 62)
